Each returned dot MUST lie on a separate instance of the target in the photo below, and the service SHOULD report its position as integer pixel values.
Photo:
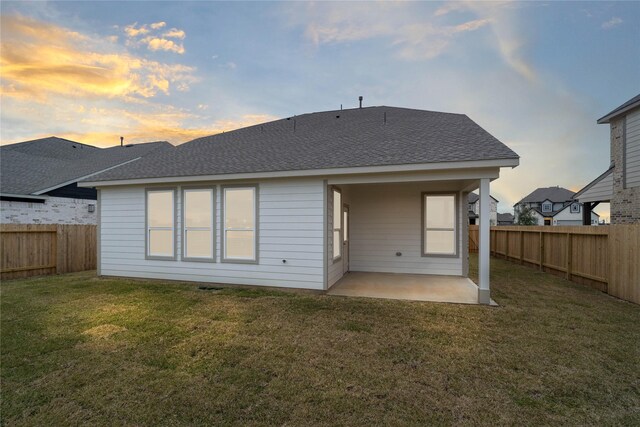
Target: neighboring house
(505, 219)
(300, 201)
(38, 179)
(474, 210)
(620, 183)
(554, 206)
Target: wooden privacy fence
(37, 249)
(605, 257)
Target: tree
(525, 216)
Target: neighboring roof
(38, 166)
(598, 190)
(553, 194)
(473, 197)
(505, 217)
(373, 136)
(547, 214)
(627, 106)
(52, 147)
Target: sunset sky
(536, 75)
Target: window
(546, 207)
(575, 208)
(337, 224)
(439, 227)
(239, 224)
(160, 224)
(345, 221)
(198, 224)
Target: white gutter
(311, 172)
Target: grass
(76, 349)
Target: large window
(198, 238)
(439, 230)
(161, 224)
(239, 223)
(337, 224)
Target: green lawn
(76, 349)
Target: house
(38, 179)
(505, 219)
(554, 206)
(299, 202)
(474, 209)
(620, 183)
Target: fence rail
(606, 258)
(35, 249)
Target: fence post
(569, 255)
(541, 251)
(521, 247)
(54, 251)
(61, 244)
(506, 247)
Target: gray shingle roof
(32, 166)
(473, 197)
(627, 106)
(331, 139)
(505, 217)
(554, 194)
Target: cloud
(175, 33)
(153, 40)
(414, 35)
(40, 59)
(415, 32)
(611, 23)
(56, 81)
(102, 127)
(229, 65)
(133, 30)
(154, 43)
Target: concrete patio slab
(414, 287)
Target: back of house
(299, 202)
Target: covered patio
(414, 287)
(406, 237)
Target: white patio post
(483, 245)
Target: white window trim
(148, 228)
(223, 240)
(211, 228)
(550, 205)
(333, 226)
(423, 201)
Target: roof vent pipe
(360, 99)
(121, 141)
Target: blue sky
(536, 75)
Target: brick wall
(625, 203)
(55, 210)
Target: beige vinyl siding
(600, 191)
(386, 219)
(290, 228)
(632, 157)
